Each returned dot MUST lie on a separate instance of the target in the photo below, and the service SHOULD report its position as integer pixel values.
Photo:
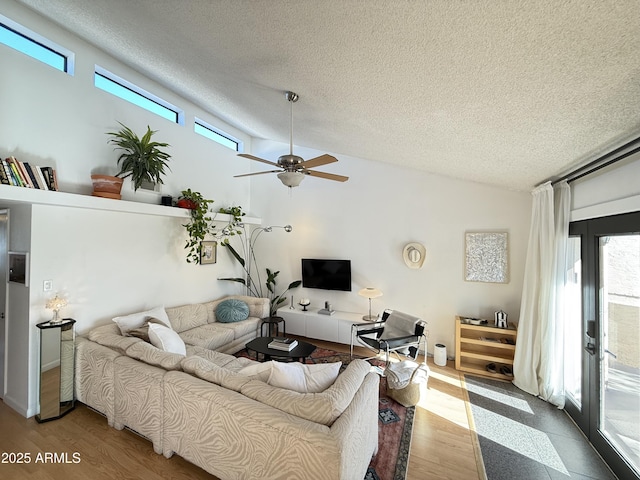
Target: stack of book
(282, 343)
(21, 174)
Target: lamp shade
(370, 292)
(291, 179)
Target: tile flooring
(522, 437)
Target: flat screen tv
(326, 274)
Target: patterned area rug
(395, 424)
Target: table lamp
(56, 304)
(370, 292)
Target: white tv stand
(311, 324)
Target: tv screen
(326, 274)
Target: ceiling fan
(293, 168)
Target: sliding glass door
(602, 345)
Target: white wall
(370, 218)
(105, 263)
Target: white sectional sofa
(233, 425)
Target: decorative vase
(106, 186)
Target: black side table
(269, 322)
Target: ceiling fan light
(291, 179)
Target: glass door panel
(573, 343)
(619, 352)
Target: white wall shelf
(10, 194)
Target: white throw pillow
(135, 320)
(262, 371)
(166, 339)
(303, 378)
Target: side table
(56, 369)
(270, 322)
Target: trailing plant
(141, 158)
(199, 226)
(233, 227)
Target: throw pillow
(232, 310)
(135, 320)
(166, 339)
(303, 378)
(143, 331)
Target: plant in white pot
(141, 159)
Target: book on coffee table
(282, 343)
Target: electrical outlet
(47, 285)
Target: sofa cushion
(232, 310)
(303, 378)
(147, 353)
(110, 336)
(245, 327)
(259, 371)
(211, 372)
(323, 407)
(220, 359)
(211, 336)
(135, 320)
(166, 339)
(187, 317)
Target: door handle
(611, 353)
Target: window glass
(119, 87)
(36, 46)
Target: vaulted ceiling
(506, 92)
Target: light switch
(47, 285)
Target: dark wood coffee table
(260, 345)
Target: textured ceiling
(508, 92)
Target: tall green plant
(253, 282)
(141, 158)
(277, 300)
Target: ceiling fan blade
(256, 173)
(258, 159)
(328, 176)
(319, 161)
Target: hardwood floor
(443, 446)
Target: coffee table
(260, 345)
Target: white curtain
(538, 363)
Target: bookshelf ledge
(11, 195)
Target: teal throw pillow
(229, 311)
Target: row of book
(281, 343)
(21, 174)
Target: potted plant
(252, 280)
(275, 299)
(141, 159)
(200, 224)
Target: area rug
(395, 423)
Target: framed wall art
(486, 257)
(208, 253)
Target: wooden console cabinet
(479, 345)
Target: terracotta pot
(106, 186)
(186, 203)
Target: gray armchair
(395, 332)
